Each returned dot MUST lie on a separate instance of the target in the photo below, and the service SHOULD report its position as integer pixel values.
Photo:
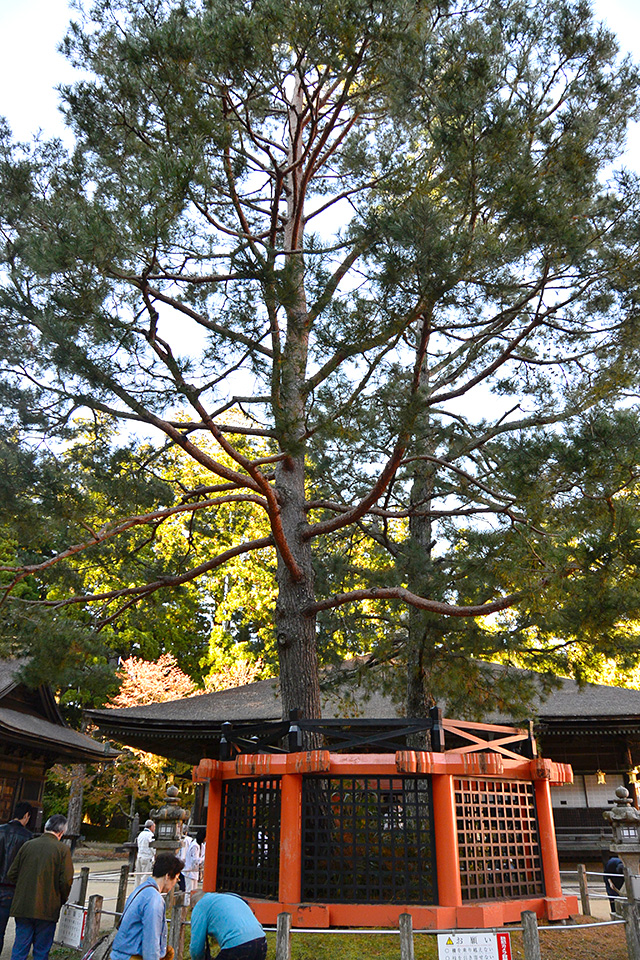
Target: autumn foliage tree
(143, 682)
(100, 791)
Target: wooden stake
(406, 937)
(92, 923)
(584, 890)
(283, 937)
(122, 892)
(530, 935)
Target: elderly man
(12, 836)
(43, 873)
(143, 927)
(230, 920)
(144, 858)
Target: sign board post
(71, 925)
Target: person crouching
(231, 921)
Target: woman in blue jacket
(143, 927)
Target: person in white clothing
(145, 856)
(190, 853)
(201, 840)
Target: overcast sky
(30, 66)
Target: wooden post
(122, 892)
(84, 883)
(547, 835)
(628, 882)
(584, 890)
(530, 935)
(210, 872)
(632, 929)
(170, 899)
(181, 909)
(176, 926)
(283, 937)
(406, 937)
(446, 828)
(290, 879)
(92, 923)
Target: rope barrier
(112, 876)
(583, 926)
(451, 930)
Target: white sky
(30, 66)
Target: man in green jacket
(43, 873)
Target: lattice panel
(367, 840)
(498, 839)
(249, 857)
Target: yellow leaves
(238, 673)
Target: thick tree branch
(108, 532)
(147, 589)
(422, 603)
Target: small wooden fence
(96, 911)
(177, 908)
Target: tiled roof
(9, 675)
(254, 701)
(189, 729)
(589, 701)
(260, 701)
(39, 734)
(38, 724)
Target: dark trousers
(5, 906)
(253, 950)
(36, 933)
(613, 887)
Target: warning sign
(474, 946)
(504, 946)
(71, 925)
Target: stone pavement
(598, 900)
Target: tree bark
(422, 628)
(295, 630)
(76, 797)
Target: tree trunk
(76, 796)
(422, 637)
(295, 632)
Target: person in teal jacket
(231, 921)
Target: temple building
(34, 736)
(594, 728)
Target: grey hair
(150, 823)
(56, 824)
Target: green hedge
(115, 835)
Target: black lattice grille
(249, 857)
(367, 840)
(498, 839)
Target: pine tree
(397, 220)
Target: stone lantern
(169, 819)
(625, 823)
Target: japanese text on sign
(474, 946)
